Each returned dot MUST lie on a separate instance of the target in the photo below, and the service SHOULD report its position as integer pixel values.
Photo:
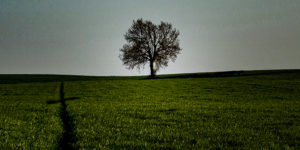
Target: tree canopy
(150, 43)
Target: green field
(243, 110)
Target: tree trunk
(152, 70)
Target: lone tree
(147, 42)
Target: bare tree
(150, 43)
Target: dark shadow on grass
(59, 101)
(68, 138)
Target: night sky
(84, 36)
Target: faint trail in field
(67, 139)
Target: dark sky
(84, 36)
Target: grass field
(245, 110)
(26, 121)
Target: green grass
(250, 111)
(26, 120)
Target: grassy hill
(28, 78)
(236, 109)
